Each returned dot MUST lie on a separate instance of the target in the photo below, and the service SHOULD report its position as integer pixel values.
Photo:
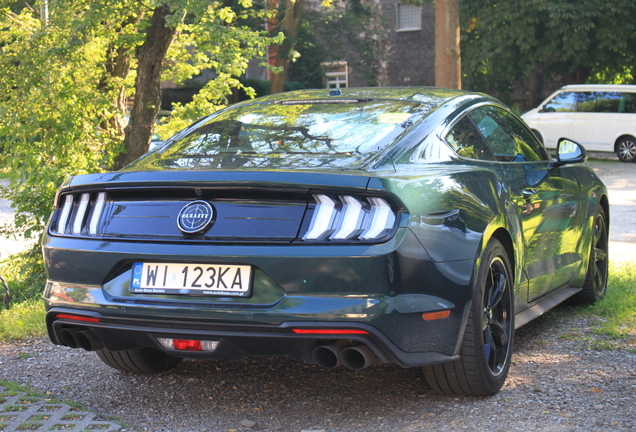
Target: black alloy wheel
(595, 284)
(626, 149)
(486, 350)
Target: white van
(602, 117)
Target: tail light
(80, 214)
(345, 217)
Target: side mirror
(569, 152)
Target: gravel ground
(557, 382)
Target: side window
(586, 101)
(563, 102)
(508, 138)
(466, 140)
(607, 102)
(627, 103)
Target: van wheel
(626, 149)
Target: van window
(606, 102)
(599, 102)
(627, 103)
(563, 102)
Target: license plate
(192, 279)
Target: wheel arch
(604, 203)
(504, 237)
(620, 137)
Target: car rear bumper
(235, 340)
(387, 290)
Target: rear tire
(595, 284)
(626, 149)
(486, 350)
(139, 361)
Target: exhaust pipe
(328, 356)
(358, 357)
(88, 340)
(69, 337)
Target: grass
(23, 320)
(617, 311)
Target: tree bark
(448, 70)
(291, 21)
(150, 57)
(118, 60)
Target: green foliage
(23, 321)
(576, 40)
(24, 274)
(305, 68)
(50, 110)
(64, 86)
(345, 30)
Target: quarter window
(467, 142)
(509, 140)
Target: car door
(546, 200)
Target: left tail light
(80, 214)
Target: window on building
(336, 74)
(409, 17)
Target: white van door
(597, 120)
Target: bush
(24, 275)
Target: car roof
(411, 94)
(600, 87)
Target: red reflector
(435, 315)
(187, 345)
(328, 331)
(77, 318)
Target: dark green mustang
(416, 226)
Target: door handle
(529, 194)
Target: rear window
(296, 131)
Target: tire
(626, 149)
(595, 284)
(486, 350)
(139, 361)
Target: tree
(289, 25)
(447, 44)
(65, 83)
(562, 41)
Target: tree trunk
(448, 70)
(291, 21)
(150, 57)
(118, 59)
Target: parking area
(557, 383)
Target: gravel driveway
(556, 382)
